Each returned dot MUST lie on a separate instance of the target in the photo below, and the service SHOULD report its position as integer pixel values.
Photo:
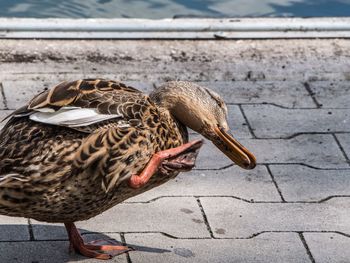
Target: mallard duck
(84, 146)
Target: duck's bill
(233, 149)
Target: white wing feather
(72, 117)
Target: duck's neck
(176, 128)
(179, 105)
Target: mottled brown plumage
(62, 174)
(75, 150)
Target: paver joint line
(300, 134)
(306, 247)
(30, 230)
(306, 165)
(3, 96)
(246, 120)
(312, 94)
(205, 218)
(122, 237)
(297, 232)
(331, 197)
(187, 238)
(341, 148)
(180, 238)
(195, 196)
(212, 169)
(274, 104)
(275, 183)
(231, 238)
(239, 198)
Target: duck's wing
(82, 103)
(114, 116)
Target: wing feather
(72, 117)
(111, 113)
(85, 102)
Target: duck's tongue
(183, 162)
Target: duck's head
(203, 111)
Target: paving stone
(300, 183)
(328, 247)
(291, 94)
(332, 94)
(269, 121)
(44, 252)
(267, 247)
(239, 219)
(13, 228)
(344, 140)
(319, 150)
(255, 185)
(161, 215)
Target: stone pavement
(289, 103)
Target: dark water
(169, 8)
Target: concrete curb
(228, 28)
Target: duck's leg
(94, 249)
(137, 181)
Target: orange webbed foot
(99, 249)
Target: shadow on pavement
(49, 243)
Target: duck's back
(67, 155)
